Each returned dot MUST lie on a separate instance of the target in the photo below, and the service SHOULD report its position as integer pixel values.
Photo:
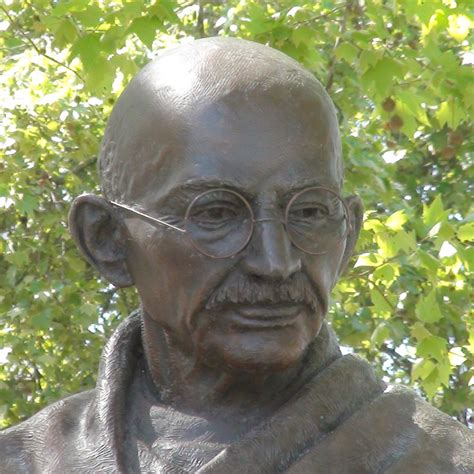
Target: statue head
(221, 173)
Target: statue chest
(171, 441)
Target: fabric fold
(321, 405)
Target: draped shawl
(342, 419)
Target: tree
(399, 74)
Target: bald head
(167, 101)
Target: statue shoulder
(395, 433)
(29, 446)
(437, 440)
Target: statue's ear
(356, 214)
(101, 237)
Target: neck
(187, 384)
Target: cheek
(172, 278)
(323, 270)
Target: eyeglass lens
(315, 218)
(220, 222)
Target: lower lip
(265, 317)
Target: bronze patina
(221, 173)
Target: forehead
(257, 142)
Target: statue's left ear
(356, 213)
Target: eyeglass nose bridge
(272, 219)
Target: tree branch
(200, 20)
(35, 47)
(398, 359)
(318, 17)
(332, 61)
(77, 169)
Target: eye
(214, 214)
(309, 212)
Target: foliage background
(399, 73)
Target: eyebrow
(200, 185)
(313, 183)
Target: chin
(255, 350)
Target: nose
(270, 253)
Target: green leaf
(67, 6)
(422, 369)
(27, 204)
(419, 332)
(427, 308)
(381, 304)
(396, 220)
(383, 74)
(466, 232)
(65, 34)
(405, 241)
(385, 274)
(444, 370)
(91, 16)
(387, 244)
(374, 224)
(467, 256)
(409, 126)
(145, 28)
(432, 347)
(367, 59)
(20, 258)
(368, 260)
(380, 335)
(88, 49)
(347, 52)
(302, 35)
(428, 261)
(431, 383)
(450, 113)
(42, 320)
(434, 213)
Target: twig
(35, 47)
(382, 294)
(463, 417)
(200, 20)
(77, 169)
(110, 296)
(332, 61)
(397, 358)
(37, 377)
(318, 17)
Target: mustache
(242, 289)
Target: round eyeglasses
(220, 222)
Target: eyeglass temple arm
(146, 216)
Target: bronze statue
(221, 173)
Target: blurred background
(400, 74)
